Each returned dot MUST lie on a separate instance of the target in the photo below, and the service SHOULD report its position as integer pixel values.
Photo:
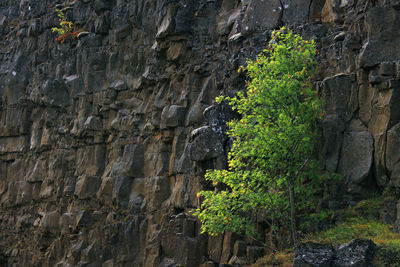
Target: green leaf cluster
(273, 141)
(65, 28)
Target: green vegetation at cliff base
(359, 221)
(358, 227)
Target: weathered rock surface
(359, 252)
(104, 140)
(310, 254)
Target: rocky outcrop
(359, 252)
(104, 140)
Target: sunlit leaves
(273, 140)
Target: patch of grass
(358, 227)
(281, 259)
(367, 208)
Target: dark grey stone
(311, 254)
(358, 253)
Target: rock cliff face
(104, 140)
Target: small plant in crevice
(66, 28)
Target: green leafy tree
(270, 170)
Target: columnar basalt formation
(104, 139)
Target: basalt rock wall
(104, 139)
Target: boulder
(359, 252)
(312, 254)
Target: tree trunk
(293, 213)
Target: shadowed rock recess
(104, 140)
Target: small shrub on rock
(65, 30)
